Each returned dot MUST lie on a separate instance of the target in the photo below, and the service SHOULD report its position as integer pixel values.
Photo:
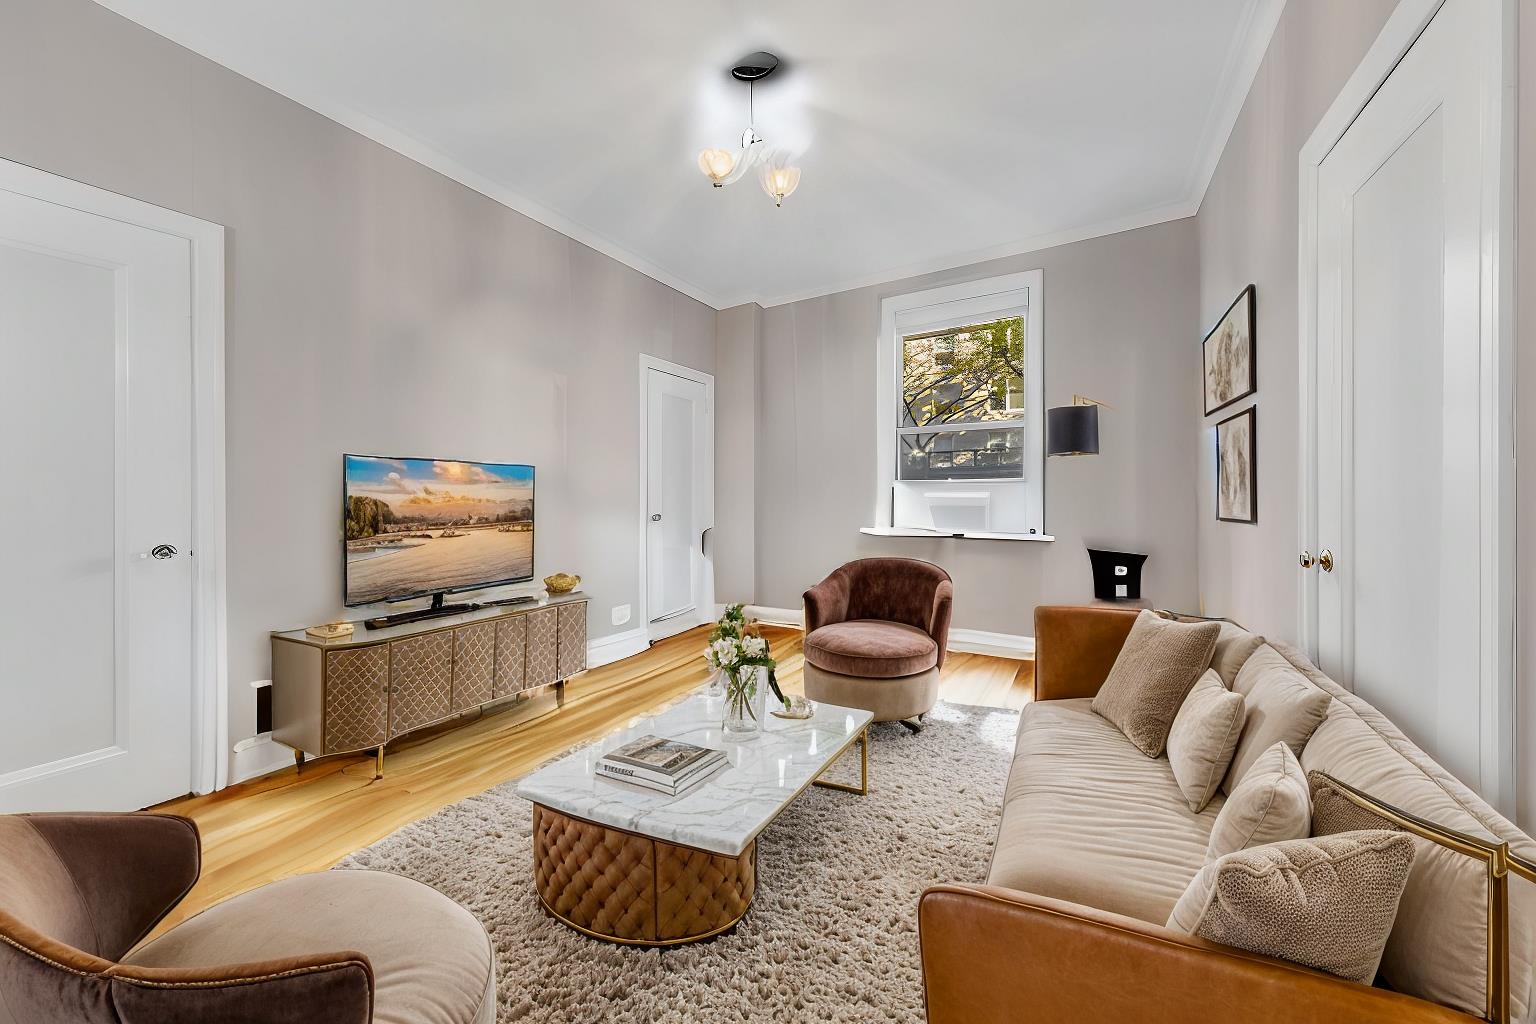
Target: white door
(1403, 391)
(679, 491)
(95, 475)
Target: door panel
(356, 698)
(511, 641)
(420, 681)
(1398, 386)
(474, 661)
(571, 652)
(95, 635)
(677, 505)
(541, 666)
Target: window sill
(903, 531)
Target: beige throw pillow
(1271, 806)
(1234, 646)
(1279, 704)
(1203, 738)
(1151, 677)
(1327, 903)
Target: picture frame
(1237, 468)
(1228, 357)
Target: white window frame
(960, 305)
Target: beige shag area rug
(832, 935)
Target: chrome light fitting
(724, 166)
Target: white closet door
(95, 474)
(676, 481)
(1400, 367)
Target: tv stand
(437, 609)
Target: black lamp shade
(1072, 430)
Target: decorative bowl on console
(561, 583)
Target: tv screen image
(415, 527)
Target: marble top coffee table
(630, 865)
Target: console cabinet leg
(298, 760)
(560, 693)
(378, 762)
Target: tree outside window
(963, 403)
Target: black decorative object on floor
(1116, 574)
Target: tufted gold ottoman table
(629, 865)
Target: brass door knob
(1325, 560)
(1307, 561)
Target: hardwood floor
(292, 821)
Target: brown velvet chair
(79, 891)
(875, 635)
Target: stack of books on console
(667, 766)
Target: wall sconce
(1073, 429)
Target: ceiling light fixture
(724, 166)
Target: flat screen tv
(428, 527)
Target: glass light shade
(717, 164)
(780, 182)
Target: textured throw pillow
(1271, 806)
(1234, 646)
(1203, 738)
(1279, 704)
(1151, 677)
(1333, 812)
(1327, 903)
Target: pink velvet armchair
(875, 635)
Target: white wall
(374, 306)
(1120, 326)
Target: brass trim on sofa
(1498, 862)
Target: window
(963, 376)
(960, 405)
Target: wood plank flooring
(293, 821)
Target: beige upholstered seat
(1089, 818)
(875, 635)
(432, 962)
(79, 891)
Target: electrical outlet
(620, 614)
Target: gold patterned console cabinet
(358, 692)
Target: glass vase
(744, 702)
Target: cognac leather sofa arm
(1075, 647)
(998, 956)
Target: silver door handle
(656, 518)
(160, 551)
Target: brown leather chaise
(875, 635)
(79, 891)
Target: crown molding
(1236, 81)
(1237, 76)
(956, 261)
(274, 77)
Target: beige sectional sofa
(1097, 843)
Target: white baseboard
(998, 645)
(970, 641)
(777, 616)
(259, 758)
(605, 650)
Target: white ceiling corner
(1087, 117)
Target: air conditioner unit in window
(956, 511)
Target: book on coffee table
(666, 765)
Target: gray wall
(373, 306)
(734, 539)
(1120, 326)
(1248, 235)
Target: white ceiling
(930, 134)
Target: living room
(687, 513)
